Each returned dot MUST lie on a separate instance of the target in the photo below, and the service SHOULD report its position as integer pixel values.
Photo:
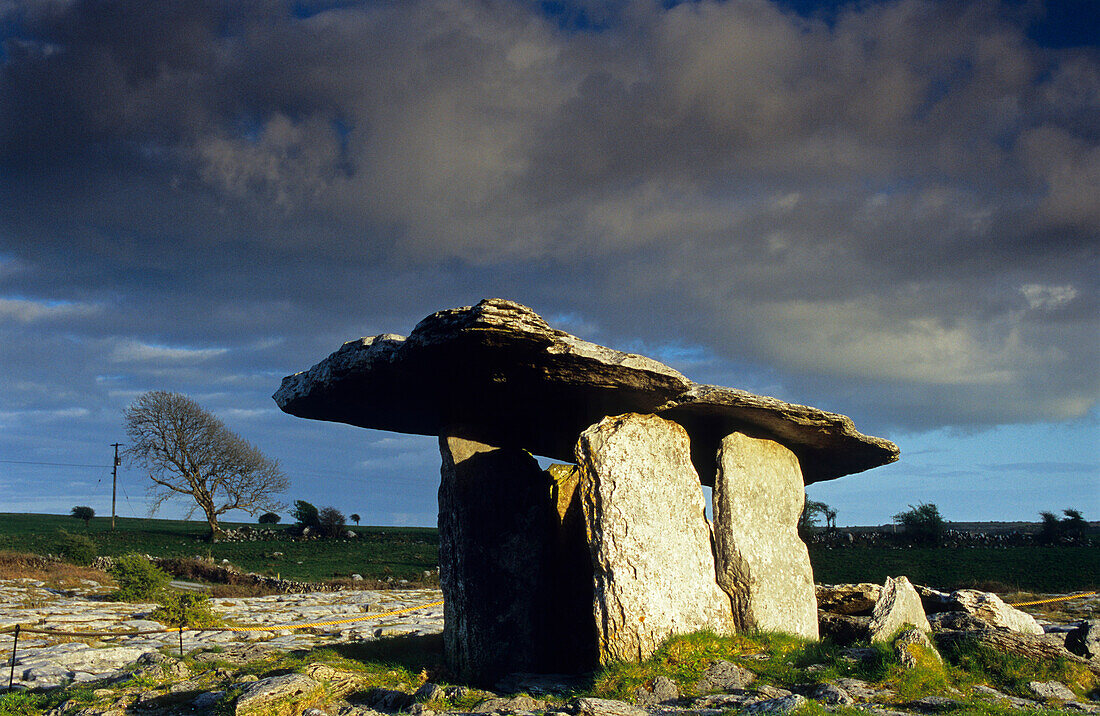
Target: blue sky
(885, 209)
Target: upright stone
(898, 605)
(651, 545)
(762, 564)
(495, 540)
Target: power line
(54, 464)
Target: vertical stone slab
(762, 563)
(496, 532)
(653, 566)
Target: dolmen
(600, 558)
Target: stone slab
(497, 373)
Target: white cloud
(1047, 297)
(134, 351)
(21, 310)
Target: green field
(1048, 570)
(378, 552)
(406, 552)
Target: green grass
(378, 552)
(406, 552)
(1004, 569)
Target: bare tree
(187, 452)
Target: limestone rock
(651, 548)
(989, 608)
(761, 562)
(911, 645)
(857, 599)
(279, 696)
(832, 695)
(898, 605)
(662, 690)
(498, 373)
(723, 675)
(782, 705)
(956, 621)
(496, 531)
(606, 707)
(1047, 690)
(1084, 640)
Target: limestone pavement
(45, 660)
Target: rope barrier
(1051, 601)
(18, 629)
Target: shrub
(305, 514)
(83, 512)
(1070, 528)
(355, 518)
(187, 609)
(923, 524)
(138, 579)
(269, 518)
(78, 549)
(331, 522)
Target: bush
(1070, 528)
(83, 512)
(78, 549)
(187, 609)
(269, 518)
(331, 522)
(138, 579)
(305, 514)
(923, 524)
(355, 518)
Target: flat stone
(898, 605)
(843, 628)
(761, 562)
(497, 373)
(651, 544)
(661, 690)
(1051, 690)
(832, 694)
(279, 695)
(606, 707)
(781, 705)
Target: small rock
(429, 692)
(724, 676)
(662, 690)
(606, 707)
(357, 578)
(956, 621)
(501, 704)
(781, 705)
(909, 646)
(390, 700)
(207, 699)
(934, 704)
(832, 694)
(1051, 690)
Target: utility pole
(114, 484)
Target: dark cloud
(891, 210)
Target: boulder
(650, 540)
(898, 605)
(1051, 690)
(856, 599)
(843, 628)
(496, 534)
(497, 373)
(761, 562)
(661, 690)
(1084, 640)
(989, 608)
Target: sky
(889, 210)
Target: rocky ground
(252, 673)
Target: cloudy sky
(886, 209)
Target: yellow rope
(1049, 601)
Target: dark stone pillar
(496, 543)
